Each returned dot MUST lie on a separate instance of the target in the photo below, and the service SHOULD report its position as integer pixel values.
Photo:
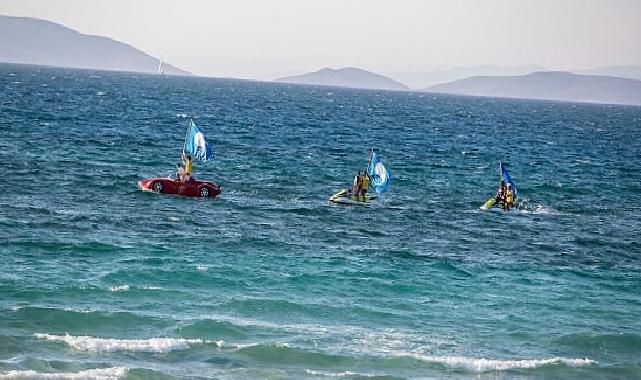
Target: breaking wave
(483, 365)
(119, 288)
(98, 373)
(338, 374)
(156, 345)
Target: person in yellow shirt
(364, 186)
(186, 176)
(509, 197)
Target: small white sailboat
(161, 69)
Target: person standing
(187, 168)
(356, 185)
(500, 194)
(364, 186)
(179, 172)
(509, 197)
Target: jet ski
(345, 197)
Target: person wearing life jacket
(186, 175)
(364, 186)
(500, 194)
(509, 197)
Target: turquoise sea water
(269, 280)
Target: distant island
(620, 71)
(26, 40)
(423, 79)
(549, 85)
(346, 77)
(34, 41)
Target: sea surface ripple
(269, 280)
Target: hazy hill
(40, 42)
(346, 77)
(430, 78)
(551, 85)
(621, 71)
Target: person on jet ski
(364, 186)
(509, 198)
(356, 185)
(500, 194)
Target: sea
(271, 281)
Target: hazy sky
(261, 38)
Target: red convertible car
(191, 188)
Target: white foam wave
(70, 309)
(540, 210)
(119, 288)
(124, 288)
(337, 374)
(80, 310)
(250, 345)
(202, 268)
(482, 365)
(157, 345)
(151, 288)
(363, 340)
(98, 373)
(250, 322)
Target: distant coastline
(346, 77)
(31, 41)
(549, 85)
(39, 42)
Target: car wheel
(157, 187)
(203, 192)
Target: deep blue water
(269, 280)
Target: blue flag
(379, 176)
(508, 179)
(195, 143)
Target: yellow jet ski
(489, 204)
(505, 177)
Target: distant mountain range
(549, 85)
(346, 77)
(34, 41)
(621, 71)
(40, 42)
(429, 78)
